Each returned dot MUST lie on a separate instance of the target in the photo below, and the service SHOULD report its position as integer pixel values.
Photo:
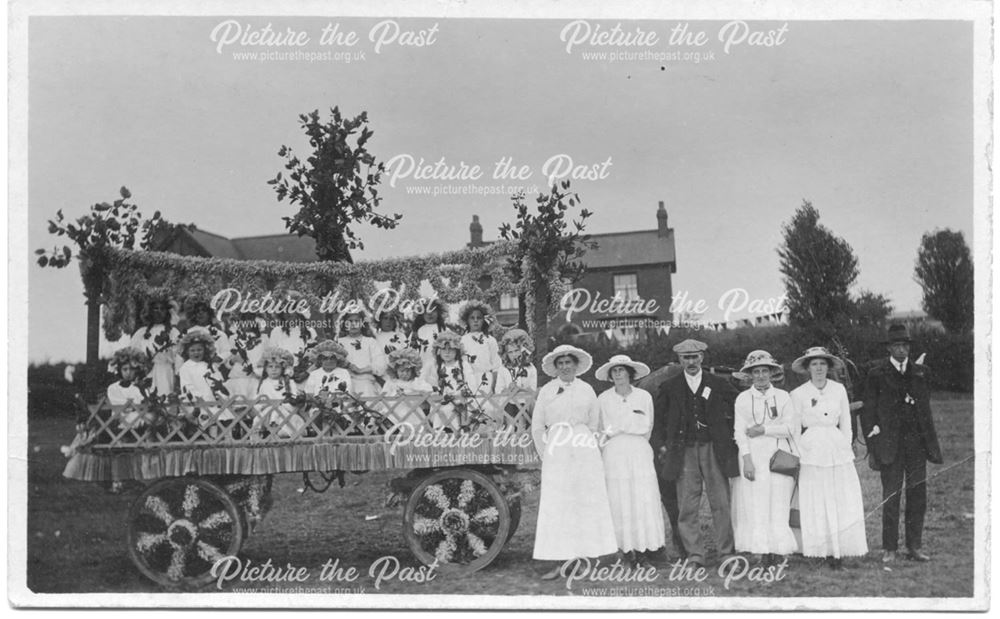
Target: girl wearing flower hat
(629, 469)
(157, 338)
(574, 516)
(764, 423)
(201, 317)
(830, 503)
(331, 376)
(446, 374)
(479, 347)
(276, 385)
(364, 357)
(200, 380)
(403, 379)
(516, 370)
(131, 365)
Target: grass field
(76, 534)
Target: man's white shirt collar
(899, 365)
(693, 381)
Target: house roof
(617, 249)
(280, 247)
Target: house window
(627, 286)
(508, 302)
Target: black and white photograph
(456, 305)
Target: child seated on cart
(131, 366)
(276, 385)
(403, 379)
(447, 374)
(329, 385)
(201, 382)
(517, 374)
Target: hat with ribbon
(603, 372)
(582, 357)
(759, 358)
(801, 364)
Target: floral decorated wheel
(457, 518)
(179, 527)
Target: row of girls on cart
(199, 357)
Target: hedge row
(950, 356)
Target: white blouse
(364, 352)
(773, 409)
(526, 378)
(572, 403)
(337, 380)
(628, 414)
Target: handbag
(794, 518)
(784, 462)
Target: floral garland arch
(130, 277)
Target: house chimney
(661, 220)
(476, 232)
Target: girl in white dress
(389, 336)
(426, 328)
(201, 382)
(761, 499)
(157, 339)
(517, 377)
(247, 343)
(479, 348)
(365, 359)
(574, 516)
(131, 365)
(332, 375)
(276, 386)
(629, 469)
(403, 379)
(830, 502)
(200, 317)
(447, 373)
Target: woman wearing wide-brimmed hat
(764, 422)
(629, 469)
(830, 503)
(574, 517)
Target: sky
(871, 121)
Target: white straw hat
(583, 359)
(641, 369)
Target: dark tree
(335, 187)
(119, 225)
(818, 268)
(549, 248)
(944, 271)
(871, 308)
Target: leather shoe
(888, 556)
(551, 574)
(917, 555)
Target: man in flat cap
(693, 440)
(896, 419)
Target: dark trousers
(668, 495)
(910, 465)
(702, 475)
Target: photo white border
(983, 244)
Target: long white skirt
(832, 513)
(633, 493)
(574, 516)
(760, 512)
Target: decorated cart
(204, 469)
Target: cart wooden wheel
(457, 518)
(178, 528)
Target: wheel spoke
(191, 500)
(176, 569)
(487, 515)
(209, 553)
(446, 550)
(435, 493)
(215, 520)
(466, 493)
(148, 541)
(423, 526)
(159, 508)
(476, 543)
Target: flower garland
(132, 276)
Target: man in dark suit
(693, 439)
(896, 418)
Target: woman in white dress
(830, 503)
(761, 499)
(629, 469)
(157, 338)
(574, 517)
